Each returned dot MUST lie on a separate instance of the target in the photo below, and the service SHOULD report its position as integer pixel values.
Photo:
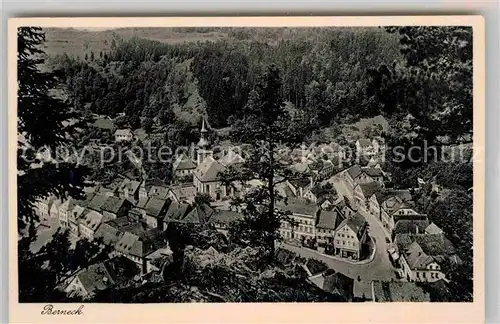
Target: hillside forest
(417, 79)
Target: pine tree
(42, 124)
(265, 125)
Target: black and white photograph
(245, 165)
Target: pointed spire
(203, 128)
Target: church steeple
(203, 144)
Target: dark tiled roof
(364, 142)
(225, 216)
(340, 284)
(354, 171)
(176, 211)
(298, 207)
(130, 185)
(96, 277)
(142, 243)
(158, 191)
(97, 201)
(300, 183)
(109, 234)
(373, 172)
(198, 215)
(398, 291)
(329, 219)
(156, 207)
(209, 170)
(370, 188)
(410, 226)
(183, 163)
(356, 223)
(421, 249)
(113, 204)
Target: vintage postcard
(258, 169)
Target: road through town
(378, 269)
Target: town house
(123, 135)
(129, 189)
(305, 217)
(350, 237)
(138, 242)
(364, 148)
(364, 191)
(155, 211)
(376, 173)
(355, 175)
(421, 256)
(326, 224)
(74, 219)
(64, 210)
(115, 207)
(89, 223)
(176, 211)
(183, 166)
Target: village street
(380, 268)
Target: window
(207, 187)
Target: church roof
(209, 170)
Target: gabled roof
(182, 192)
(92, 220)
(433, 229)
(156, 206)
(370, 188)
(183, 163)
(356, 223)
(231, 158)
(67, 205)
(113, 204)
(410, 226)
(97, 201)
(329, 219)
(338, 283)
(298, 207)
(126, 243)
(364, 142)
(354, 171)
(416, 257)
(225, 216)
(176, 211)
(208, 170)
(198, 215)
(158, 191)
(96, 277)
(109, 234)
(130, 185)
(398, 291)
(300, 183)
(123, 132)
(436, 246)
(373, 172)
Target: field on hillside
(78, 42)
